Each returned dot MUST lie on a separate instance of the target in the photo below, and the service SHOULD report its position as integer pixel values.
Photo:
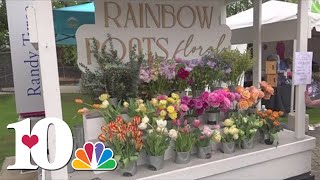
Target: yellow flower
(226, 130)
(228, 122)
(175, 96)
(163, 102)
(142, 108)
(126, 104)
(171, 100)
(233, 130)
(161, 117)
(162, 107)
(104, 104)
(154, 101)
(173, 115)
(139, 101)
(216, 138)
(104, 97)
(170, 109)
(163, 113)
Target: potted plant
(237, 63)
(183, 144)
(156, 142)
(192, 107)
(229, 136)
(203, 137)
(248, 126)
(125, 139)
(270, 125)
(219, 101)
(251, 96)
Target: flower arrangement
(250, 96)
(203, 136)
(158, 75)
(167, 107)
(124, 138)
(248, 126)
(230, 131)
(192, 106)
(185, 139)
(220, 100)
(270, 123)
(157, 137)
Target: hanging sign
(169, 28)
(25, 60)
(302, 68)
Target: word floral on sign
(171, 29)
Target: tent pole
(302, 46)
(257, 51)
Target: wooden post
(257, 51)
(49, 75)
(301, 46)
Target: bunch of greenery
(156, 143)
(117, 78)
(4, 36)
(238, 62)
(248, 126)
(185, 141)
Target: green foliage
(156, 143)
(67, 55)
(4, 36)
(184, 142)
(201, 140)
(120, 80)
(238, 62)
(124, 151)
(248, 126)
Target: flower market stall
(138, 59)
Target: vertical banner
(25, 60)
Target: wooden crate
(271, 67)
(272, 79)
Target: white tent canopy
(279, 22)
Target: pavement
(316, 153)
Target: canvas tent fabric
(276, 15)
(68, 19)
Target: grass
(8, 115)
(69, 108)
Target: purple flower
(185, 100)
(198, 104)
(162, 97)
(192, 103)
(228, 71)
(145, 75)
(237, 96)
(231, 96)
(207, 131)
(211, 64)
(200, 111)
(178, 60)
(196, 123)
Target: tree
(4, 37)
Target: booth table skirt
(291, 158)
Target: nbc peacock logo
(94, 157)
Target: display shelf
(264, 161)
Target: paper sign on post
(302, 71)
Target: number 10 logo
(35, 143)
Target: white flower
(159, 129)
(126, 104)
(150, 131)
(104, 104)
(233, 131)
(245, 120)
(142, 126)
(216, 138)
(161, 123)
(252, 131)
(173, 134)
(226, 130)
(235, 136)
(228, 122)
(165, 131)
(145, 119)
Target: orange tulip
(269, 111)
(281, 113)
(136, 120)
(275, 114)
(78, 101)
(96, 106)
(276, 123)
(263, 84)
(102, 138)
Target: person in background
(309, 102)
